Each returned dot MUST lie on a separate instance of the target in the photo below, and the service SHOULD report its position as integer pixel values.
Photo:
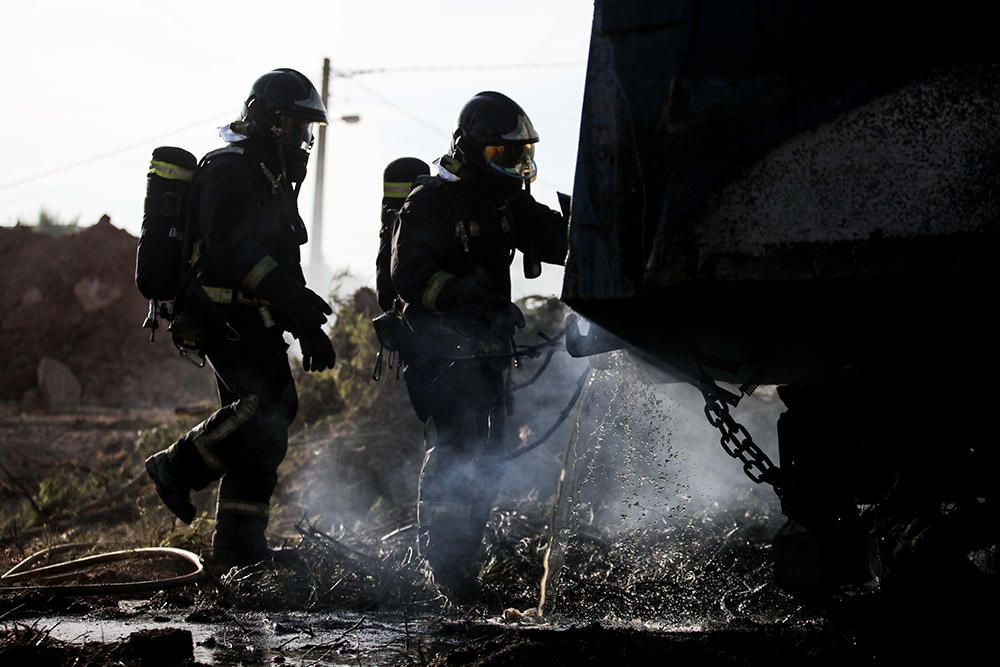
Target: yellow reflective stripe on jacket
(218, 294)
(396, 189)
(225, 295)
(171, 172)
(433, 289)
(243, 507)
(259, 272)
(266, 317)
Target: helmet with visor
(496, 136)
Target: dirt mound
(70, 325)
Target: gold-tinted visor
(517, 160)
(509, 155)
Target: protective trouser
(463, 406)
(246, 439)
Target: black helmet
(281, 93)
(279, 112)
(495, 135)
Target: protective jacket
(248, 232)
(454, 243)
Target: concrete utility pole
(319, 272)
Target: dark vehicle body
(770, 189)
(807, 194)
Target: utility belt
(229, 296)
(205, 313)
(421, 337)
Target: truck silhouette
(806, 194)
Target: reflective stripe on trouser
(247, 507)
(203, 439)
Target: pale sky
(92, 88)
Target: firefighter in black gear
(246, 289)
(452, 250)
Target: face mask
(514, 160)
(295, 164)
(296, 140)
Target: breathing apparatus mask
(514, 160)
(294, 138)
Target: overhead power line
(438, 132)
(109, 154)
(348, 73)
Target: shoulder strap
(225, 150)
(461, 210)
(189, 256)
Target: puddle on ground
(257, 638)
(300, 638)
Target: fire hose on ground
(48, 574)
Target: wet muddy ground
(695, 592)
(390, 639)
(651, 567)
(699, 591)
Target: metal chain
(738, 442)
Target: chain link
(738, 443)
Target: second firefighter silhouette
(452, 250)
(245, 289)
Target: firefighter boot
(174, 495)
(239, 539)
(451, 546)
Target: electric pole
(319, 273)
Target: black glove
(502, 324)
(522, 212)
(305, 310)
(300, 307)
(317, 350)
